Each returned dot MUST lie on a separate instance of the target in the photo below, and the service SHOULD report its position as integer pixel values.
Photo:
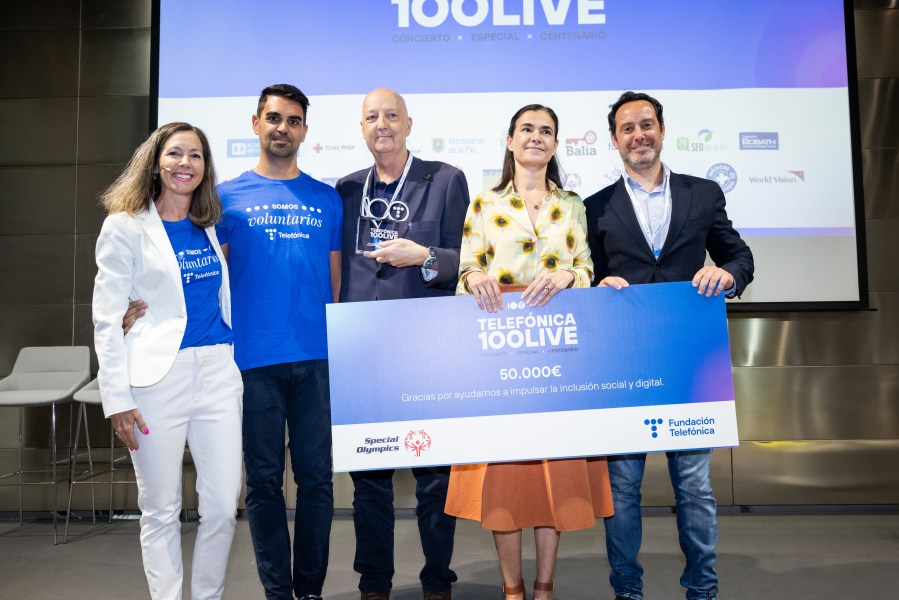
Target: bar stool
(43, 376)
(89, 395)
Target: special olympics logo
(417, 441)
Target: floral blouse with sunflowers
(499, 240)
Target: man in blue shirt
(281, 233)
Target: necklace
(536, 204)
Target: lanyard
(643, 218)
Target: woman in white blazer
(171, 379)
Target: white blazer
(135, 260)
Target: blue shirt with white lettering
(280, 234)
(201, 279)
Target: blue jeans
(373, 518)
(296, 394)
(697, 524)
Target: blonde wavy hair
(139, 184)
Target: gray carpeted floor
(815, 554)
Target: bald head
(385, 125)
(383, 97)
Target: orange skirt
(567, 494)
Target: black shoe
(447, 595)
(375, 596)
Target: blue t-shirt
(280, 234)
(201, 279)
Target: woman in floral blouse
(528, 234)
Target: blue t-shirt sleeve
(221, 232)
(337, 229)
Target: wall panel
(39, 63)
(85, 267)
(115, 13)
(883, 275)
(817, 403)
(881, 176)
(816, 472)
(115, 62)
(47, 325)
(878, 99)
(22, 146)
(876, 43)
(40, 15)
(36, 269)
(37, 200)
(111, 127)
(92, 180)
(818, 338)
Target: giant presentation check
(595, 372)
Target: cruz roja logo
(417, 441)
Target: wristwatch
(431, 259)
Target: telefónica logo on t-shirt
(280, 222)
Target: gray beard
(646, 161)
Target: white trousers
(199, 402)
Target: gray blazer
(437, 195)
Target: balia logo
(417, 441)
(573, 147)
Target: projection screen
(759, 96)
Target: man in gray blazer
(402, 230)
(655, 226)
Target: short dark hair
(284, 90)
(633, 97)
(553, 169)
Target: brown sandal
(542, 586)
(515, 589)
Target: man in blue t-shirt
(281, 234)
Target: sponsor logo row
(583, 145)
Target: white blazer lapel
(225, 290)
(152, 225)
